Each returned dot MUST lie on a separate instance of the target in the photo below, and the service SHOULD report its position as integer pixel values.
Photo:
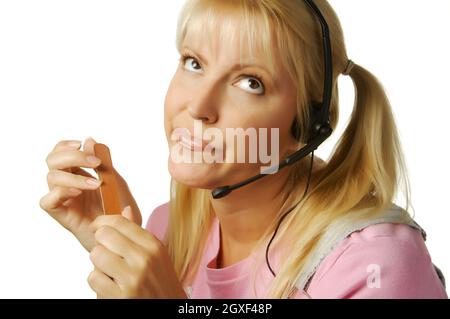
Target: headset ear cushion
(314, 112)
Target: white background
(70, 69)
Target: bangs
(230, 21)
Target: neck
(246, 213)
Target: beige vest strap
(343, 227)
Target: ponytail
(363, 173)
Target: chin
(197, 175)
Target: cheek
(280, 140)
(281, 117)
(174, 102)
(278, 119)
(271, 137)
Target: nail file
(108, 189)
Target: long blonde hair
(366, 167)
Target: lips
(191, 142)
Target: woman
(255, 64)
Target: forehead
(226, 35)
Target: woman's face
(210, 90)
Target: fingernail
(93, 182)
(75, 191)
(93, 160)
(75, 144)
(127, 212)
(68, 202)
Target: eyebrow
(236, 66)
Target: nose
(206, 118)
(203, 106)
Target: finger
(65, 179)
(71, 158)
(88, 146)
(115, 242)
(56, 197)
(66, 144)
(82, 172)
(103, 285)
(127, 228)
(109, 263)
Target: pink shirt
(395, 252)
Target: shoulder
(381, 261)
(158, 221)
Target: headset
(320, 129)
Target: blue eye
(253, 81)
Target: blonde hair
(365, 169)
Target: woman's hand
(73, 198)
(130, 262)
